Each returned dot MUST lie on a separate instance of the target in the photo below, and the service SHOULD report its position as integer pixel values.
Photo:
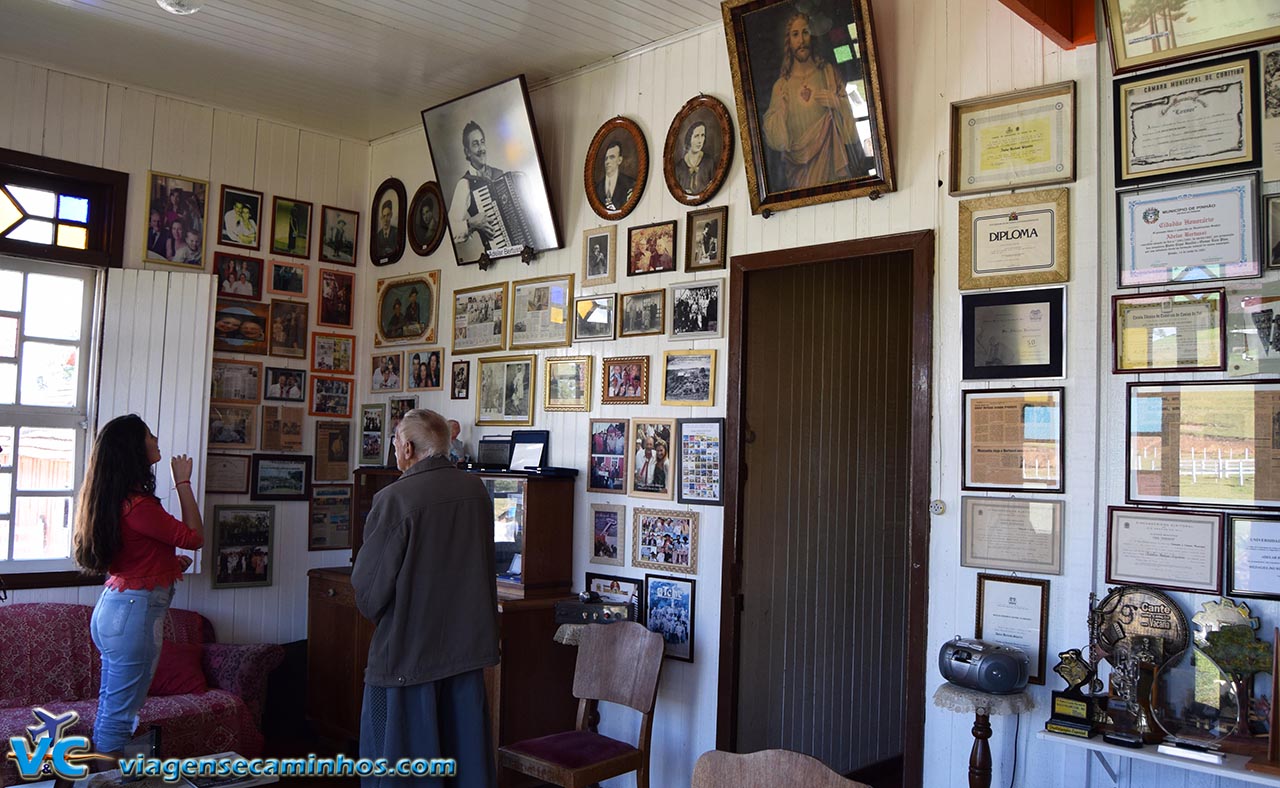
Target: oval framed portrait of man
(426, 219)
(699, 147)
(616, 169)
(386, 242)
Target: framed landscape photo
(617, 168)
(696, 311)
(479, 318)
(1015, 240)
(568, 382)
(373, 429)
(289, 323)
(1014, 140)
(1012, 440)
(491, 131)
(698, 150)
(785, 66)
(408, 309)
(287, 279)
(426, 219)
(706, 233)
(643, 313)
(329, 521)
(1162, 548)
(1013, 334)
(241, 327)
(1253, 562)
(386, 372)
(333, 353)
(609, 534)
(330, 396)
(339, 232)
(665, 539)
(291, 227)
(282, 428)
(280, 477)
(595, 318)
(461, 386)
(1011, 534)
(599, 248)
(607, 455)
(619, 591)
(227, 473)
(669, 611)
(1142, 35)
(236, 381)
(651, 248)
(1014, 611)
(540, 312)
(239, 216)
(241, 542)
(337, 289)
(424, 370)
(233, 426)
(175, 220)
(700, 449)
(1175, 331)
(652, 466)
(238, 276)
(507, 389)
(386, 242)
(624, 380)
(689, 377)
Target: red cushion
(572, 750)
(180, 671)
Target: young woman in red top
(122, 529)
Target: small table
(983, 705)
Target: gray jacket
(425, 577)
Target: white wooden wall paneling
(23, 91)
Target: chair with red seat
(618, 663)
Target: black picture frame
(460, 380)
(1040, 413)
(291, 221)
(633, 587)
(1234, 552)
(427, 230)
(700, 478)
(651, 249)
(273, 376)
(668, 625)
(244, 230)
(301, 463)
(991, 345)
(387, 233)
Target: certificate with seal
(1024, 138)
(1014, 240)
(1187, 232)
(1197, 118)
(1013, 334)
(1165, 549)
(1014, 534)
(1014, 611)
(1169, 332)
(1254, 560)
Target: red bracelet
(186, 482)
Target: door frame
(920, 245)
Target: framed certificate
(1197, 118)
(1012, 440)
(1015, 240)
(227, 473)
(1014, 534)
(1210, 443)
(1253, 567)
(1159, 548)
(1142, 36)
(1013, 334)
(1014, 611)
(1189, 232)
(1014, 140)
(1169, 332)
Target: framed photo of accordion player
(484, 147)
(386, 242)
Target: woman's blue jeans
(127, 627)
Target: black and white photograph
(699, 147)
(669, 612)
(339, 230)
(484, 146)
(689, 377)
(594, 317)
(706, 233)
(598, 247)
(461, 387)
(506, 390)
(695, 310)
(426, 219)
(642, 313)
(241, 214)
(616, 169)
(386, 242)
(242, 545)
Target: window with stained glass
(44, 217)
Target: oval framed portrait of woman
(386, 242)
(426, 219)
(699, 147)
(616, 169)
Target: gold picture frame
(506, 390)
(399, 309)
(652, 463)
(541, 312)
(1196, 25)
(689, 377)
(1015, 240)
(568, 384)
(624, 380)
(1014, 140)
(485, 310)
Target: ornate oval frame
(595, 151)
(425, 246)
(672, 150)
(392, 255)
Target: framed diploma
(1014, 534)
(1014, 240)
(1014, 611)
(1253, 565)
(1012, 440)
(1013, 334)
(1143, 35)
(1014, 140)
(227, 473)
(1197, 118)
(1210, 443)
(1169, 332)
(1189, 232)
(1159, 548)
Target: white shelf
(1232, 767)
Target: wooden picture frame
(706, 238)
(618, 144)
(240, 217)
(689, 378)
(507, 389)
(332, 451)
(226, 473)
(1013, 334)
(599, 254)
(568, 384)
(480, 319)
(333, 353)
(235, 382)
(609, 528)
(290, 322)
(1014, 611)
(1201, 29)
(595, 318)
(697, 309)
(1011, 534)
(665, 540)
(427, 219)
(1254, 557)
(288, 278)
(291, 227)
(329, 517)
(238, 276)
(642, 313)
(651, 249)
(337, 294)
(176, 204)
(280, 477)
(233, 426)
(424, 369)
(407, 309)
(670, 610)
(1162, 548)
(386, 372)
(698, 150)
(241, 327)
(1012, 440)
(281, 428)
(241, 541)
(624, 380)
(461, 377)
(846, 56)
(700, 450)
(373, 430)
(386, 240)
(540, 312)
(653, 468)
(1014, 140)
(331, 396)
(617, 590)
(339, 235)
(1021, 239)
(608, 454)
(1152, 332)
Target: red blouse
(148, 535)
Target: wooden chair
(618, 663)
(765, 769)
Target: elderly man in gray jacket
(425, 577)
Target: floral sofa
(48, 659)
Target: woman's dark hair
(118, 468)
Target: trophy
(1073, 710)
(1225, 633)
(1195, 702)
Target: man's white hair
(426, 431)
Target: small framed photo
(241, 327)
(240, 215)
(1015, 240)
(337, 290)
(408, 309)
(385, 372)
(330, 396)
(1011, 534)
(616, 168)
(461, 386)
(339, 231)
(568, 384)
(594, 317)
(1273, 222)
(695, 310)
(424, 370)
(618, 591)
(176, 220)
(329, 524)
(669, 608)
(291, 227)
(698, 150)
(288, 279)
(701, 454)
(373, 423)
(282, 428)
(396, 408)
(1180, 331)
(281, 477)
(390, 205)
(238, 276)
(706, 232)
(665, 539)
(1013, 334)
(651, 248)
(1161, 548)
(236, 381)
(1012, 440)
(242, 538)
(607, 452)
(479, 318)
(227, 473)
(624, 380)
(426, 219)
(540, 312)
(233, 426)
(609, 534)
(289, 322)
(643, 313)
(333, 450)
(652, 468)
(1253, 567)
(507, 389)
(1014, 140)
(1014, 611)
(689, 377)
(333, 353)
(599, 248)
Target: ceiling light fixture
(180, 7)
